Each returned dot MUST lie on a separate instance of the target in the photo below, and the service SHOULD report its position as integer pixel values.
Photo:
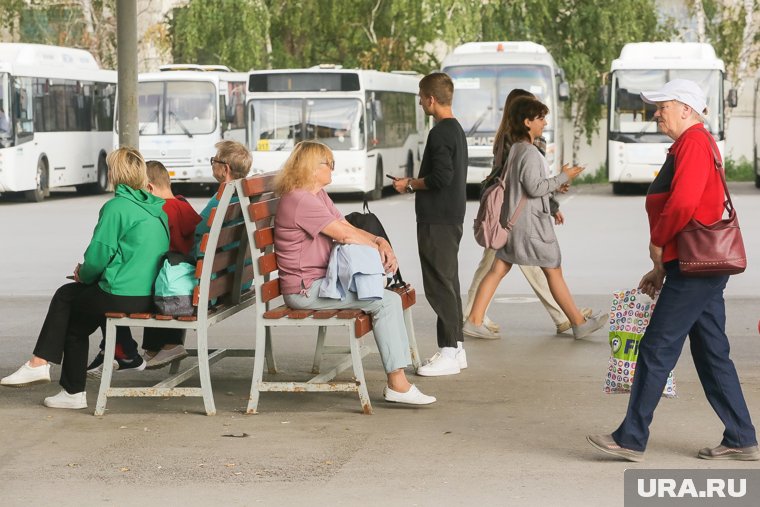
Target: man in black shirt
(440, 207)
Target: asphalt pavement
(508, 430)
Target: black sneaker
(136, 363)
(95, 370)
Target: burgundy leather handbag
(716, 249)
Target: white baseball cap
(682, 90)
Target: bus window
(24, 113)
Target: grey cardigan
(532, 241)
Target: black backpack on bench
(369, 222)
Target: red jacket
(687, 186)
(182, 221)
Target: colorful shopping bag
(629, 317)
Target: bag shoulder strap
(729, 205)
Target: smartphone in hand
(70, 277)
(391, 177)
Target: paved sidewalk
(509, 430)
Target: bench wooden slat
(228, 235)
(222, 261)
(263, 209)
(299, 314)
(262, 238)
(277, 313)
(267, 263)
(164, 317)
(222, 285)
(258, 184)
(363, 325)
(142, 316)
(324, 314)
(116, 315)
(270, 290)
(349, 313)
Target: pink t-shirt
(302, 251)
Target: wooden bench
(222, 273)
(259, 206)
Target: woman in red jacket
(688, 186)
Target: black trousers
(75, 312)
(154, 339)
(438, 246)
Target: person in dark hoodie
(117, 275)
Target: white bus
(371, 120)
(484, 73)
(183, 111)
(635, 149)
(56, 120)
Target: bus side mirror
(563, 91)
(733, 97)
(603, 95)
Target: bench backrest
(224, 265)
(259, 205)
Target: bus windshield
(480, 92)
(278, 124)
(630, 115)
(5, 110)
(176, 108)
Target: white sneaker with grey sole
(412, 397)
(439, 365)
(66, 400)
(27, 375)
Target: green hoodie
(126, 247)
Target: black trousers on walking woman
(75, 312)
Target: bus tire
(377, 192)
(38, 193)
(620, 188)
(757, 180)
(101, 180)
(410, 165)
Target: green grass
(600, 176)
(739, 170)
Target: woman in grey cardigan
(532, 241)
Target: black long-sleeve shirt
(444, 169)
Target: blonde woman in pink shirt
(307, 224)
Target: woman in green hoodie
(117, 275)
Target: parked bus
(484, 73)
(371, 120)
(183, 111)
(56, 120)
(635, 148)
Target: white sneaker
(462, 358)
(66, 400)
(27, 376)
(412, 397)
(439, 365)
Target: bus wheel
(377, 192)
(38, 193)
(101, 180)
(410, 165)
(101, 183)
(620, 188)
(757, 180)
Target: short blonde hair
(126, 166)
(158, 176)
(236, 156)
(298, 170)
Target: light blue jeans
(387, 320)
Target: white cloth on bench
(355, 268)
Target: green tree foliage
(584, 36)
(229, 32)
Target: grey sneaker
(480, 331)
(566, 326)
(606, 443)
(750, 453)
(591, 325)
(166, 356)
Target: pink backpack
(489, 232)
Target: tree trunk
(699, 13)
